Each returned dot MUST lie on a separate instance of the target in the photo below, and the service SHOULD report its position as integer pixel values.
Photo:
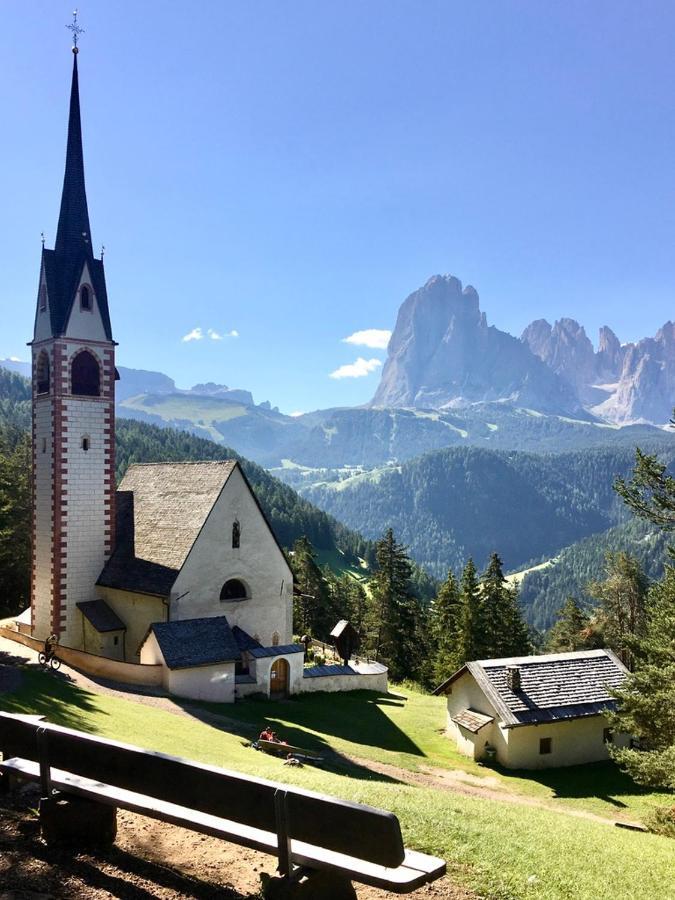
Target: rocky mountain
(621, 383)
(444, 355)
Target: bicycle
(53, 663)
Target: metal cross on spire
(75, 29)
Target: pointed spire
(73, 235)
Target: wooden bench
(306, 831)
(278, 748)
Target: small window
(116, 640)
(233, 591)
(43, 373)
(236, 535)
(275, 639)
(44, 445)
(544, 746)
(608, 735)
(43, 298)
(85, 444)
(85, 297)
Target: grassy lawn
(502, 850)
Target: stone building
(535, 712)
(178, 568)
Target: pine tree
(395, 612)
(312, 599)
(493, 628)
(571, 630)
(15, 518)
(443, 624)
(469, 642)
(623, 597)
(515, 640)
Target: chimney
(513, 678)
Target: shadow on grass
(331, 760)
(354, 716)
(50, 694)
(602, 780)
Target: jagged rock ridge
(443, 354)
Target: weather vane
(76, 30)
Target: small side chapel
(179, 567)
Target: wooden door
(279, 678)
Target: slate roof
(101, 616)
(280, 650)
(554, 687)
(244, 640)
(161, 508)
(187, 643)
(472, 720)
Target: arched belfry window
(233, 591)
(236, 535)
(85, 375)
(85, 297)
(42, 373)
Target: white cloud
(195, 335)
(198, 334)
(375, 338)
(294, 415)
(14, 359)
(357, 369)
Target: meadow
(502, 849)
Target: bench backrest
(338, 825)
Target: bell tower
(73, 358)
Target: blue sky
(290, 171)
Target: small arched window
(236, 535)
(43, 373)
(85, 444)
(85, 297)
(275, 639)
(85, 375)
(233, 591)
(43, 297)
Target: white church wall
(357, 682)
(86, 324)
(43, 458)
(214, 684)
(258, 563)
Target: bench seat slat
(416, 869)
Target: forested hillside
(543, 591)
(14, 399)
(290, 515)
(456, 503)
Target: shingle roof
(161, 508)
(186, 643)
(280, 650)
(472, 720)
(244, 640)
(101, 616)
(553, 687)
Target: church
(176, 569)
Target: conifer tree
(623, 597)
(395, 612)
(572, 629)
(469, 643)
(313, 598)
(502, 629)
(15, 517)
(444, 622)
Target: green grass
(503, 850)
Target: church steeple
(73, 236)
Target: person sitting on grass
(292, 761)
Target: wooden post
(283, 837)
(45, 769)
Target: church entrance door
(279, 678)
